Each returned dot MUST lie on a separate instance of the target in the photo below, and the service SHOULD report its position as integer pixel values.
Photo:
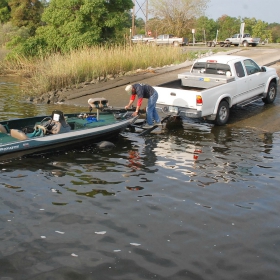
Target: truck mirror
(263, 69)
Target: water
(15, 105)
(196, 202)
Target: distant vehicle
(141, 38)
(246, 40)
(215, 43)
(168, 39)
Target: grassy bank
(3, 53)
(58, 71)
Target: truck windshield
(211, 68)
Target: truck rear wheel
(271, 93)
(245, 44)
(222, 113)
(176, 44)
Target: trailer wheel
(222, 113)
(209, 44)
(271, 94)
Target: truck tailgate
(176, 97)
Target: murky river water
(196, 202)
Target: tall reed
(58, 71)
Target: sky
(265, 10)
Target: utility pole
(133, 21)
(147, 7)
(134, 13)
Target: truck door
(235, 39)
(160, 39)
(256, 78)
(241, 83)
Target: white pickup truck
(214, 84)
(245, 41)
(168, 39)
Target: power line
(137, 8)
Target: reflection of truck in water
(214, 85)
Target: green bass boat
(42, 134)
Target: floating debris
(60, 232)
(134, 244)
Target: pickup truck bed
(203, 80)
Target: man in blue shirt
(148, 92)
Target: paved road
(256, 115)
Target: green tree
(26, 13)
(175, 17)
(260, 30)
(228, 26)
(71, 24)
(275, 32)
(207, 27)
(140, 26)
(249, 24)
(10, 33)
(5, 12)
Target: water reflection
(187, 203)
(14, 105)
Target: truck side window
(251, 67)
(239, 69)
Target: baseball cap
(128, 89)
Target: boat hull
(85, 133)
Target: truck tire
(222, 113)
(176, 44)
(271, 93)
(245, 44)
(209, 44)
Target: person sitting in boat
(98, 103)
(148, 92)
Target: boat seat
(58, 123)
(18, 134)
(3, 129)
